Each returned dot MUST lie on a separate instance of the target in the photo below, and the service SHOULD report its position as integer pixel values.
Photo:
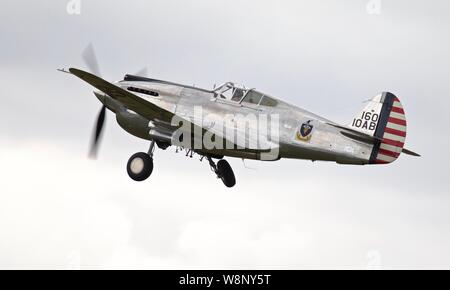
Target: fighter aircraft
(231, 120)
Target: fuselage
(301, 134)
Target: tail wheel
(226, 173)
(140, 166)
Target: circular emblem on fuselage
(304, 132)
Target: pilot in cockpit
(237, 94)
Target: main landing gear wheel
(223, 171)
(140, 166)
(226, 173)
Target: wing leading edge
(131, 101)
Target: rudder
(384, 118)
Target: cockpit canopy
(239, 94)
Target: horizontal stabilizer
(356, 135)
(409, 152)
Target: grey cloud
(325, 56)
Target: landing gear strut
(223, 171)
(140, 165)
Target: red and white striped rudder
(384, 118)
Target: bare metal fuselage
(327, 142)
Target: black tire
(140, 166)
(226, 173)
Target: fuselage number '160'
(367, 121)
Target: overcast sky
(59, 209)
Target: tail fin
(384, 118)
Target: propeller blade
(98, 132)
(142, 73)
(90, 59)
